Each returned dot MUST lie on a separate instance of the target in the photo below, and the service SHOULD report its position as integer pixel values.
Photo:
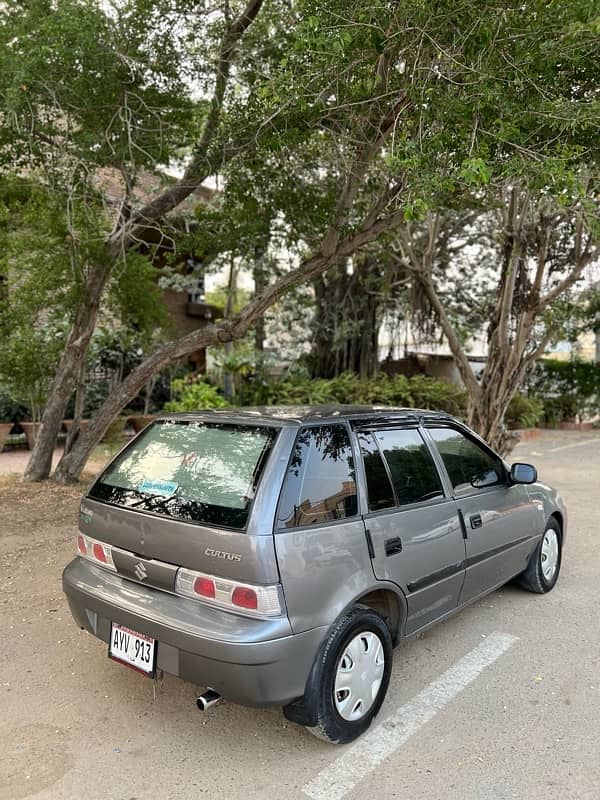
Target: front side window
(204, 472)
(320, 484)
(468, 465)
(414, 474)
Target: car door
(412, 523)
(319, 534)
(499, 518)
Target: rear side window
(465, 461)
(379, 488)
(204, 472)
(411, 465)
(320, 484)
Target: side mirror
(523, 473)
(483, 479)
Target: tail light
(95, 551)
(255, 601)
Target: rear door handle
(476, 521)
(393, 546)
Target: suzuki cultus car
(277, 555)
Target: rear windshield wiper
(152, 497)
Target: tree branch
(585, 258)
(199, 167)
(419, 270)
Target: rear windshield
(199, 471)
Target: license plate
(135, 650)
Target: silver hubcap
(549, 554)
(358, 676)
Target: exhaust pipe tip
(207, 699)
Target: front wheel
(544, 565)
(350, 679)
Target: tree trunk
(78, 412)
(74, 355)
(228, 378)
(347, 320)
(260, 282)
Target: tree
(538, 251)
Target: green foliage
(348, 388)
(524, 412)
(568, 390)
(27, 363)
(10, 410)
(194, 395)
(104, 88)
(135, 298)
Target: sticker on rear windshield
(164, 488)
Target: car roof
(305, 414)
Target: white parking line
(359, 759)
(573, 444)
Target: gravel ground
(75, 725)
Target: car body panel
(430, 567)
(252, 662)
(323, 568)
(185, 544)
(504, 537)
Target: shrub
(416, 392)
(567, 389)
(193, 395)
(524, 412)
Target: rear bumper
(251, 662)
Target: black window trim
(410, 424)
(260, 467)
(330, 522)
(477, 440)
(386, 467)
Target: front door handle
(476, 521)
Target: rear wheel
(544, 565)
(350, 679)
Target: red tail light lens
(241, 598)
(95, 551)
(204, 587)
(244, 597)
(99, 554)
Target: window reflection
(320, 484)
(467, 464)
(411, 465)
(205, 472)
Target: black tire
(318, 710)
(533, 578)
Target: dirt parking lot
(502, 701)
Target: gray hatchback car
(277, 555)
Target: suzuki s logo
(140, 571)
(222, 554)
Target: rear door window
(320, 484)
(379, 488)
(414, 474)
(203, 472)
